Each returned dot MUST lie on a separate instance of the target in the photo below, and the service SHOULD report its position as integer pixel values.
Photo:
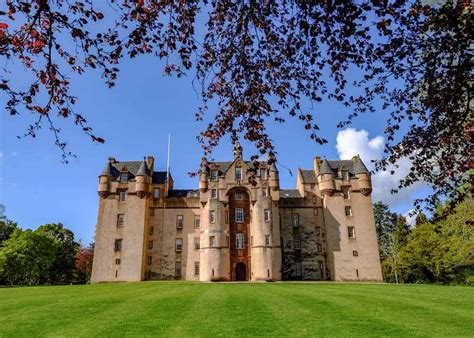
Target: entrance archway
(240, 272)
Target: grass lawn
(244, 309)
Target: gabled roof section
(359, 166)
(308, 176)
(223, 167)
(134, 168)
(159, 177)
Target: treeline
(47, 255)
(440, 250)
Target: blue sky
(135, 118)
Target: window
(266, 215)
(295, 220)
(267, 240)
(197, 222)
(120, 219)
(240, 241)
(122, 195)
(319, 247)
(296, 243)
(151, 230)
(348, 211)
(196, 268)
(179, 221)
(197, 243)
(321, 265)
(118, 261)
(351, 232)
(150, 260)
(152, 212)
(355, 253)
(239, 215)
(345, 192)
(212, 216)
(238, 173)
(315, 211)
(213, 193)
(150, 244)
(264, 191)
(238, 196)
(212, 241)
(214, 175)
(156, 193)
(123, 177)
(298, 269)
(177, 268)
(345, 175)
(318, 231)
(179, 244)
(118, 245)
(263, 174)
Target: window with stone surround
(298, 269)
(265, 191)
(120, 219)
(318, 231)
(213, 193)
(197, 243)
(150, 244)
(118, 261)
(156, 193)
(212, 216)
(123, 177)
(214, 175)
(296, 243)
(268, 240)
(348, 210)
(196, 268)
(295, 220)
(355, 253)
(240, 241)
(122, 195)
(151, 230)
(345, 193)
(212, 241)
(179, 245)
(179, 221)
(263, 174)
(351, 232)
(150, 260)
(197, 222)
(239, 215)
(118, 245)
(319, 247)
(238, 173)
(266, 215)
(177, 269)
(238, 195)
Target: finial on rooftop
(237, 150)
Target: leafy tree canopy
(259, 61)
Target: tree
(7, 227)
(84, 258)
(26, 258)
(260, 60)
(385, 223)
(392, 249)
(64, 265)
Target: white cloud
(351, 142)
(410, 217)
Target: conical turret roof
(273, 167)
(108, 170)
(359, 166)
(325, 168)
(143, 170)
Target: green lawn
(246, 309)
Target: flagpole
(168, 165)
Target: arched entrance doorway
(239, 228)
(240, 272)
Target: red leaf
(3, 25)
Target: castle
(238, 226)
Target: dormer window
(345, 175)
(214, 174)
(123, 177)
(238, 173)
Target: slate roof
(352, 167)
(143, 170)
(224, 166)
(289, 193)
(185, 193)
(133, 167)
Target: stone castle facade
(239, 225)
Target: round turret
(105, 179)
(141, 181)
(363, 176)
(274, 177)
(326, 179)
(204, 176)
